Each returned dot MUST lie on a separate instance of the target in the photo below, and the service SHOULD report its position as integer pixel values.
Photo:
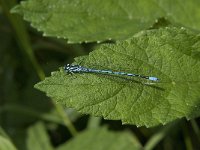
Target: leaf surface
(5, 141)
(100, 20)
(38, 138)
(167, 54)
(101, 139)
(88, 20)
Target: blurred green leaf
(38, 138)
(5, 144)
(97, 20)
(164, 53)
(20, 103)
(89, 20)
(183, 12)
(21, 36)
(5, 141)
(101, 139)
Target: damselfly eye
(66, 67)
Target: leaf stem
(187, 138)
(21, 36)
(195, 128)
(65, 119)
(93, 122)
(23, 41)
(158, 136)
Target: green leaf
(38, 138)
(185, 13)
(5, 144)
(99, 20)
(21, 36)
(101, 139)
(164, 53)
(89, 20)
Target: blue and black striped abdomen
(79, 69)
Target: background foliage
(155, 37)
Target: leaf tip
(16, 10)
(37, 85)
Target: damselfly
(71, 68)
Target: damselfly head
(67, 66)
(72, 68)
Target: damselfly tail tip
(153, 79)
